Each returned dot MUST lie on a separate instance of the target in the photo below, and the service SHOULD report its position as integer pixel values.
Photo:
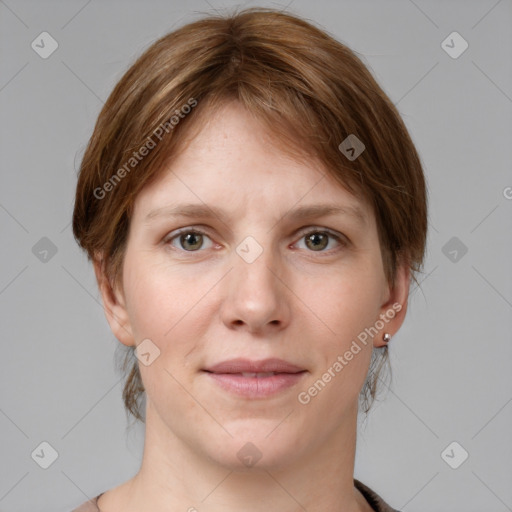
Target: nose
(256, 299)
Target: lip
(241, 365)
(240, 376)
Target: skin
(205, 306)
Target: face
(253, 276)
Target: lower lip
(254, 387)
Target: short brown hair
(311, 90)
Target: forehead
(230, 158)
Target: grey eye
(191, 241)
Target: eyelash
(341, 240)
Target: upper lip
(241, 365)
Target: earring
(386, 338)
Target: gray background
(451, 360)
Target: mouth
(255, 379)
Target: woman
(254, 209)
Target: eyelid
(187, 229)
(318, 229)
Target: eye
(190, 240)
(319, 240)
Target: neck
(175, 477)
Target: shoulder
(88, 506)
(375, 501)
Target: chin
(256, 447)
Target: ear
(114, 305)
(394, 307)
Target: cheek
(345, 304)
(149, 308)
(162, 304)
(170, 306)
(157, 296)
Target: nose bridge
(255, 268)
(255, 295)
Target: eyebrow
(194, 211)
